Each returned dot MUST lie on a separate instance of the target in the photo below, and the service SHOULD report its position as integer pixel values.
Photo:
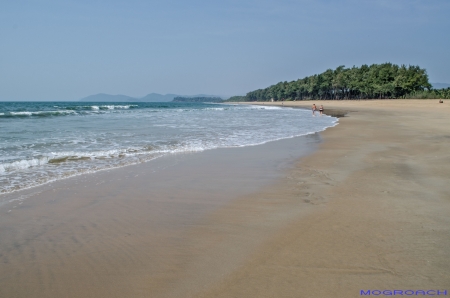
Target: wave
(36, 114)
(72, 110)
(72, 156)
(104, 107)
(23, 164)
(65, 111)
(254, 107)
(55, 158)
(48, 150)
(98, 107)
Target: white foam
(264, 107)
(21, 113)
(73, 155)
(215, 109)
(23, 164)
(113, 107)
(99, 154)
(42, 113)
(71, 147)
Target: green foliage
(197, 99)
(237, 98)
(432, 94)
(381, 81)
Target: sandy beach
(368, 210)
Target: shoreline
(27, 170)
(381, 222)
(369, 209)
(126, 232)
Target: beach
(365, 207)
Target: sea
(42, 142)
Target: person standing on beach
(314, 109)
(321, 110)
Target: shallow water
(42, 142)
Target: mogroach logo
(403, 293)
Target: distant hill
(440, 85)
(199, 95)
(108, 97)
(197, 99)
(152, 97)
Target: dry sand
(381, 181)
(370, 209)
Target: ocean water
(42, 142)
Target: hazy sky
(69, 49)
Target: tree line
(377, 81)
(443, 93)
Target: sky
(70, 49)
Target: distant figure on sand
(314, 109)
(321, 110)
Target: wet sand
(381, 187)
(127, 232)
(370, 209)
